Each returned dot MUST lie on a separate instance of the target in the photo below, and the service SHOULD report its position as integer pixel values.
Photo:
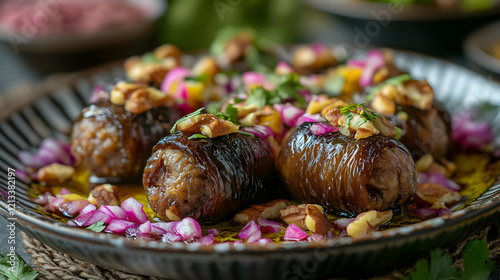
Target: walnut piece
(296, 214)
(208, 125)
(269, 210)
(139, 98)
(312, 58)
(436, 195)
(55, 174)
(367, 222)
(316, 221)
(105, 194)
(207, 66)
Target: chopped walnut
(55, 174)
(105, 194)
(316, 221)
(237, 47)
(208, 125)
(436, 195)
(207, 66)
(384, 101)
(418, 94)
(296, 214)
(424, 162)
(138, 98)
(367, 222)
(310, 58)
(269, 210)
(168, 57)
(361, 126)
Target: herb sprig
(475, 255)
(288, 88)
(20, 270)
(392, 81)
(366, 114)
(97, 226)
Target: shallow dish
(478, 45)
(455, 87)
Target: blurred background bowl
(70, 51)
(482, 49)
(428, 28)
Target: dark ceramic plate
(25, 127)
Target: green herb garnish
(392, 81)
(19, 271)
(193, 114)
(245, 133)
(150, 58)
(231, 114)
(287, 88)
(475, 255)
(97, 226)
(197, 136)
(334, 86)
(200, 78)
(398, 133)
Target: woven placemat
(55, 265)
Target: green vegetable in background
(475, 255)
(20, 271)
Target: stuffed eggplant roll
(346, 174)
(113, 143)
(207, 179)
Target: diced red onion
(188, 229)
(50, 151)
(341, 224)
(88, 209)
(374, 61)
(309, 118)
(82, 218)
(132, 231)
(237, 242)
(283, 68)
(98, 94)
(21, 174)
(97, 217)
(289, 113)
(318, 48)
(170, 237)
(175, 77)
(322, 128)
(119, 226)
(269, 226)
(72, 208)
(261, 131)
(306, 94)
(145, 228)
(134, 210)
(309, 81)
(356, 63)
(428, 213)
(213, 232)
(206, 240)
(161, 228)
(438, 178)
(264, 241)
(316, 237)
(253, 78)
(63, 191)
(44, 199)
(54, 203)
(114, 211)
(469, 134)
(295, 233)
(72, 223)
(251, 232)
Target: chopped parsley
(392, 81)
(398, 133)
(197, 136)
(231, 114)
(20, 270)
(193, 114)
(288, 88)
(366, 114)
(97, 226)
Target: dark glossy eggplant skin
(114, 144)
(425, 131)
(209, 178)
(347, 175)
